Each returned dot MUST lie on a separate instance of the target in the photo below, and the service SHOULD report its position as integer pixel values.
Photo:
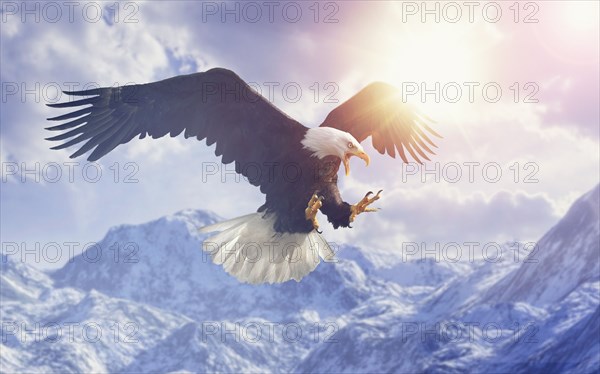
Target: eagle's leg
(313, 207)
(362, 205)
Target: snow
(161, 306)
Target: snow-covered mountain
(500, 317)
(565, 258)
(146, 299)
(162, 264)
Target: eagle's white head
(327, 141)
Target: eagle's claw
(362, 205)
(313, 207)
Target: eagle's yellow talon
(314, 204)
(361, 206)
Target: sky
(514, 90)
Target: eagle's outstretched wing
(216, 105)
(378, 111)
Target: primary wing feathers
(215, 105)
(378, 111)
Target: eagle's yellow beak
(357, 153)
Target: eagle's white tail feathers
(250, 250)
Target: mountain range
(147, 299)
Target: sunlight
(568, 30)
(441, 53)
(581, 16)
(425, 55)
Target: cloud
(559, 134)
(436, 214)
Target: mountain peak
(562, 260)
(162, 263)
(184, 309)
(204, 217)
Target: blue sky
(553, 142)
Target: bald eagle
(293, 165)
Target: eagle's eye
(350, 145)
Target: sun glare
(426, 55)
(569, 29)
(435, 54)
(582, 16)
